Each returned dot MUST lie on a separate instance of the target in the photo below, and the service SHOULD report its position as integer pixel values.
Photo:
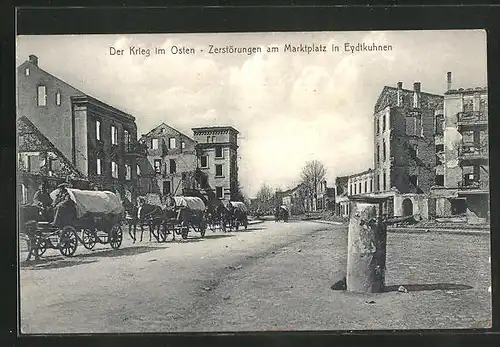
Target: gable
(30, 139)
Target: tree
(265, 197)
(313, 173)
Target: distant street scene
(253, 182)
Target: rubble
(402, 289)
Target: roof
(168, 126)
(467, 91)
(215, 128)
(388, 97)
(361, 173)
(45, 141)
(78, 90)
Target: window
(383, 150)
(128, 172)
(42, 96)
(154, 144)
(138, 168)
(157, 164)
(208, 138)
(458, 206)
(218, 152)
(383, 123)
(384, 183)
(378, 153)
(114, 169)
(439, 148)
(371, 185)
(171, 143)
(377, 125)
(218, 170)
(167, 188)
(24, 194)
(99, 167)
(27, 71)
(163, 130)
(440, 180)
(173, 166)
(414, 180)
(366, 186)
(98, 130)
(114, 135)
(355, 186)
(439, 125)
(219, 192)
(183, 144)
(126, 137)
(58, 98)
(214, 139)
(204, 161)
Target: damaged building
(462, 183)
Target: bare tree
(313, 173)
(265, 197)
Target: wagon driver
(43, 200)
(63, 206)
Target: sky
(288, 107)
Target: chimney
(416, 87)
(416, 95)
(448, 80)
(33, 59)
(400, 94)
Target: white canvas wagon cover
(191, 202)
(239, 205)
(93, 201)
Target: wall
(185, 158)
(53, 121)
(453, 174)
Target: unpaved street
(274, 276)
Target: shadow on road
(133, 250)
(250, 229)
(220, 236)
(428, 287)
(44, 264)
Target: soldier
(63, 206)
(43, 200)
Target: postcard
(270, 181)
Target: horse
(150, 216)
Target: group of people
(59, 209)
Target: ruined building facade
(464, 186)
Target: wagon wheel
(40, 246)
(68, 241)
(88, 239)
(116, 237)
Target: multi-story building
(217, 153)
(465, 183)
(171, 161)
(405, 148)
(97, 140)
(360, 183)
(341, 196)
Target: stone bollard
(367, 240)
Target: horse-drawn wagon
(239, 214)
(93, 217)
(185, 213)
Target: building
(217, 159)
(341, 196)
(405, 148)
(98, 141)
(295, 199)
(360, 183)
(463, 188)
(170, 163)
(325, 197)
